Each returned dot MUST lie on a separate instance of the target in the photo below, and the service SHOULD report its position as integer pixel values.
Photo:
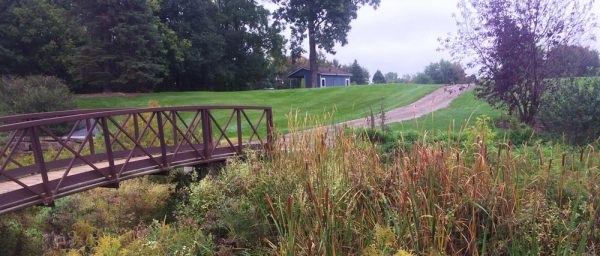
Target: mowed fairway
(345, 103)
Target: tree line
(142, 45)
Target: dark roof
(324, 71)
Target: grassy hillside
(347, 102)
(460, 110)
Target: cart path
(434, 101)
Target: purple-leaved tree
(508, 42)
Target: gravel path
(436, 100)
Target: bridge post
(239, 130)
(207, 139)
(270, 139)
(136, 127)
(161, 138)
(90, 129)
(109, 152)
(38, 154)
(174, 119)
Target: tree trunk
(314, 65)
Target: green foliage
(422, 78)
(572, 61)
(203, 197)
(34, 94)
(378, 78)
(142, 45)
(481, 134)
(572, 108)
(392, 77)
(324, 23)
(384, 243)
(19, 240)
(123, 49)
(37, 37)
(157, 239)
(359, 74)
(445, 72)
(230, 44)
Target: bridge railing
(43, 159)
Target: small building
(326, 77)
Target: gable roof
(322, 71)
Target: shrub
(572, 107)
(19, 240)
(34, 94)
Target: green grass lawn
(345, 102)
(465, 107)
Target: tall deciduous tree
(445, 72)
(123, 49)
(508, 40)
(230, 43)
(36, 37)
(324, 22)
(391, 77)
(572, 61)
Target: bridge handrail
(52, 114)
(117, 112)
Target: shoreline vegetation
(474, 193)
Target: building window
(347, 82)
(323, 82)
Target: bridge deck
(54, 175)
(84, 177)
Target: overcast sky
(401, 35)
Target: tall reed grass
(328, 192)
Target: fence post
(161, 138)
(108, 146)
(41, 164)
(206, 134)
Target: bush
(572, 107)
(34, 94)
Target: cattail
(290, 204)
(268, 198)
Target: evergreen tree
(378, 78)
(123, 50)
(358, 74)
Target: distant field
(346, 102)
(463, 107)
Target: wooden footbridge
(45, 156)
